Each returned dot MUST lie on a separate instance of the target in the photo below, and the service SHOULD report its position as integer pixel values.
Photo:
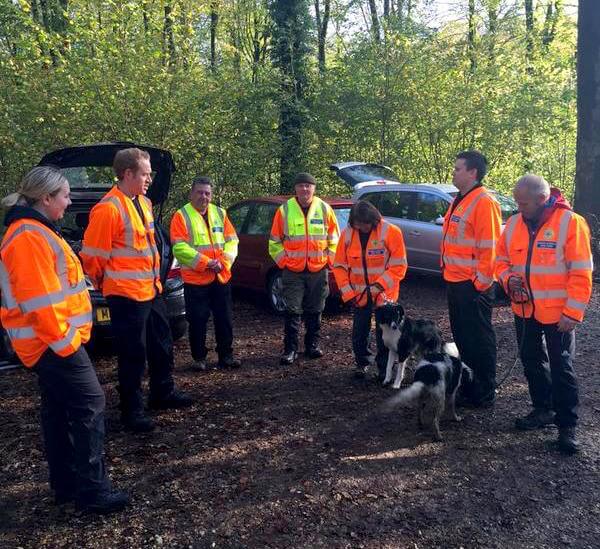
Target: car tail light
(174, 272)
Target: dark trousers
(471, 323)
(142, 331)
(547, 357)
(200, 302)
(72, 415)
(361, 337)
(304, 294)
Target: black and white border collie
(433, 390)
(403, 337)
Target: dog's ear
(399, 313)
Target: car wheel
(275, 293)
(178, 328)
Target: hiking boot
(109, 501)
(230, 362)
(173, 401)
(62, 498)
(137, 422)
(314, 352)
(536, 419)
(288, 358)
(567, 440)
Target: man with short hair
(471, 228)
(205, 244)
(303, 241)
(120, 256)
(544, 263)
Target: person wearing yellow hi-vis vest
(303, 240)
(205, 244)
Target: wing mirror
(439, 220)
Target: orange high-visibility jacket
(195, 243)
(471, 231)
(385, 257)
(556, 265)
(119, 251)
(297, 242)
(45, 301)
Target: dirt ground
(300, 456)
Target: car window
(508, 206)
(261, 219)
(391, 203)
(429, 207)
(237, 216)
(342, 215)
(90, 176)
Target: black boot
(174, 400)
(313, 335)
(107, 501)
(292, 323)
(137, 422)
(567, 440)
(288, 358)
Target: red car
(254, 269)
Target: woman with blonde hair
(47, 314)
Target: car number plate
(103, 314)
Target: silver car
(418, 209)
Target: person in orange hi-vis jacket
(370, 262)
(205, 244)
(544, 262)
(471, 229)
(47, 314)
(120, 256)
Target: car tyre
(275, 293)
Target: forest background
(249, 91)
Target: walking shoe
(174, 400)
(230, 362)
(536, 419)
(137, 423)
(200, 365)
(109, 501)
(314, 352)
(360, 372)
(472, 404)
(567, 440)
(288, 358)
(62, 498)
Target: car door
(239, 215)
(425, 230)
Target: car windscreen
(508, 206)
(361, 173)
(89, 177)
(342, 215)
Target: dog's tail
(407, 397)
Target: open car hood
(100, 155)
(353, 173)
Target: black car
(89, 171)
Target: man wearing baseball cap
(303, 241)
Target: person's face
(55, 206)
(462, 177)
(529, 205)
(139, 180)
(200, 196)
(305, 192)
(362, 227)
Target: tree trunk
(214, 21)
(375, 27)
(529, 32)
(322, 24)
(587, 188)
(553, 14)
(168, 36)
(472, 36)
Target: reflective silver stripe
(229, 256)
(509, 229)
(462, 224)
(583, 265)
(384, 229)
(63, 343)
(460, 261)
(483, 278)
(129, 240)
(318, 237)
(296, 238)
(81, 319)
(42, 301)
(388, 279)
(502, 258)
(574, 304)
(129, 275)
(549, 294)
(196, 261)
(376, 270)
(275, 239)
(128, 252)
(561, 241)
(505, 274)
(541, 269)
(279, 256)
(20, 333)
(232, 238)
(359, 287)
(485, 244)
(188, 224)
(397, 261)
(95, 252)
(347, 234)
(338, 265)
(216, 245)
(284, 211)
(346, 288)
(8, 300)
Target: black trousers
(142, 331)
(470, 314)
(200, 302)
(547, 357)
(72, 417)
(361, 337)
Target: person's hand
(566, 324)
(377, 288)
(215, 266)
(515, 283)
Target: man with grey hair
(544, 262)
